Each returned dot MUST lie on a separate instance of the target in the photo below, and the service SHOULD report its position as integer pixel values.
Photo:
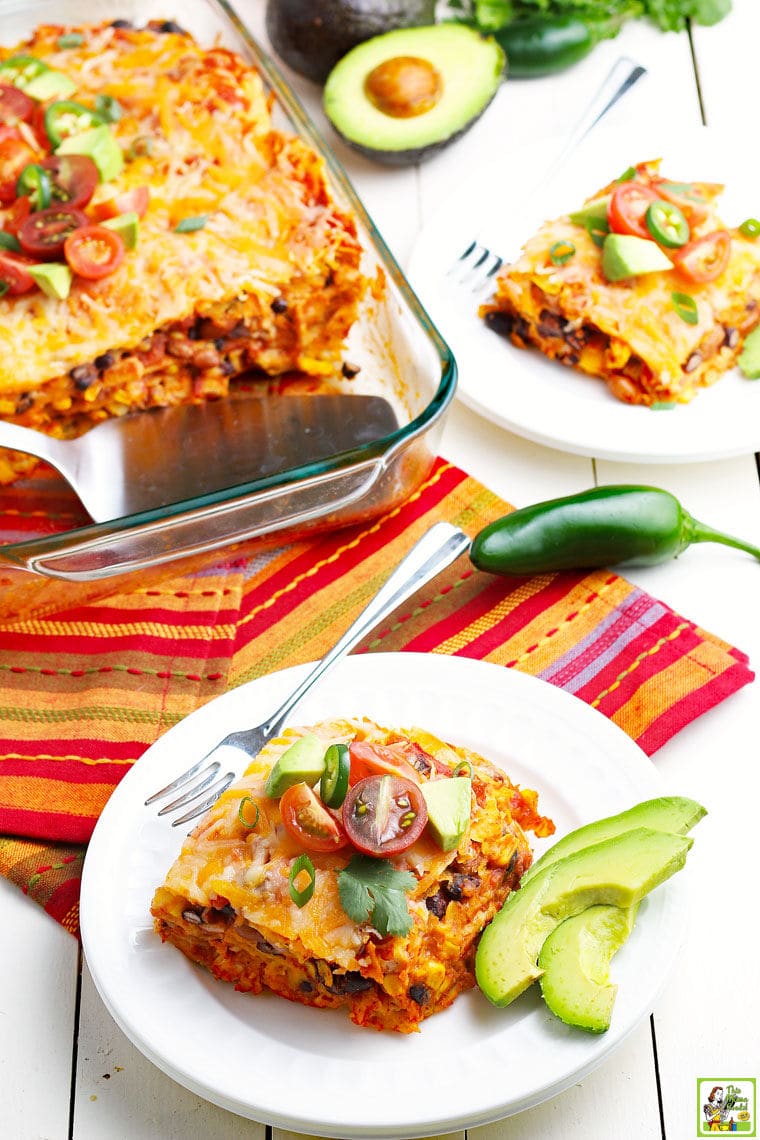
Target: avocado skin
(676, 814)
(417, 154)
(310, 36)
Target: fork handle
(438, 548)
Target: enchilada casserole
(160, 235)
(374, 903)
(657, 324)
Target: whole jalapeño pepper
(546, 44)
(605, 526)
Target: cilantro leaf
(371, 889)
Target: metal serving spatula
(150, 459)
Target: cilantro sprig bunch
(372, 890)
(667, 15)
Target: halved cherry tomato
(377, 760)
(44, 233)
(14, 273)
(94, 251)
(627, 209)
(705, 259)
(15, 214)
(130, 201)
(15, 106)
(15, 154)
(9, 132)
(686, 196)
(383, 815)
(73, 178)
(308, 821)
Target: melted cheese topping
(204, 118)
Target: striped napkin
(84, 692)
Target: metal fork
(477, 264)
(437, 548)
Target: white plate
(538, 398)
(312, 1070)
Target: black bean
(171, 26)
(501, 323)
(731, 337)
(352, 982)
(461, 887)
(83, 375)
(306, 987)
(550, 325)
(420, 994)
(279, 305)
(437, 904)
(350, 370)
(104, 361)
(122, 24)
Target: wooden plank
(38, 984)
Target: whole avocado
(310, 36)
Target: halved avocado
(399, 98)
(312, 35)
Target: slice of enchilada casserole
(655, 329)
(231, 253)
(373, 904)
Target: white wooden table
(66, 1071)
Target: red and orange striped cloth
(84, 692)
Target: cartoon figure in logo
(714, 1110)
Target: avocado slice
(676, 814)
(401, 97)
(100, 145)
(749, 359)
(449, 803)
(624, 255)
(575, 960)
(54, 279)
(50, 84)
(312, 35)
(618, 871)
(303, 762)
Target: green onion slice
(4, 287)
(241, 808)
(334, 782)
(109, 108)
(561, 252)
(686, 307)
(190, 225)
(750, 228)
(597, 232)
(663, 405)
(9, 242)
(71, 40)
(302, 865)
(463, 768)
(627, 175)
(142, 145)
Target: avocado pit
(404, 86)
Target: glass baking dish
(400, 355)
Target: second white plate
(537, 398)
(311, 1070)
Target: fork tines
(475, 266)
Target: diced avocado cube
(53, 278)
(50, 84)
(626, 256)
(449, 802)
(593, 212)
(303, 762)
(127, 226)
(101, 146)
